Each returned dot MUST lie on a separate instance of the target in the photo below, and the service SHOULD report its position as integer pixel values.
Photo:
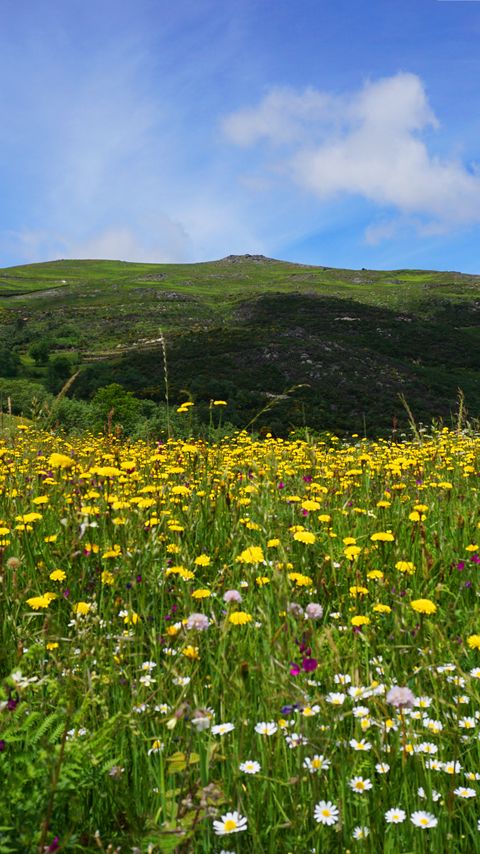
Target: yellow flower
(191, 652)
(358, 591)
(261, 580)
(219, 403)
(473, 547)
(202, 593)
(304, 537)
(82, 608)
(474, 641)
(58, 575)
(60, 461)
(202, 560)
(273, 543)
(375, 574)
(253, 554)
(300, 580)
(310, 505)
(360, 620)
(324, 517)
(382, 537)
(52, 645)
(37, 602)
(423, 606)
(405, 566)
(240, 618)
(382, 609)
(352, 552)
(107, 577)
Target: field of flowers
(257, 646)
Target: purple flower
(475, 558)
(280, 485)
(294, 669)
(401, 698)
(461, 565)
(309, 664)
(199, 622)
(232, 596)
(2, 745)
(313, 611)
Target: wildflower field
(249, 646)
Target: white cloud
(367, 144)
(167, 243)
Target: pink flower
(401, 698)
(232, 596)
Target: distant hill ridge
(328, 347)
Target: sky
(342, 133)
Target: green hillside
(325, 347)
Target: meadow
(244, 646)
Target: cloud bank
(373, 143)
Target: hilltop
(331, 348)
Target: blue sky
(334, 133)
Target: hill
(326, 347)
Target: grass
(135, 687)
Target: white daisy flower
(326, 813)
(360, 745)
(335, 698)
(264, 728)
(423, 819)
(358, 784)
(222, 729)
(231, 822)
(250, 766)
(316, 763)
(360, 832)
(382, 767)
(395, 815)
(465, 792)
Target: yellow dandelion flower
(382, 537)
(310, 505)
(82, 608)
(202, 593)
(240, 618)
(375, 574)
(300, 580)
(60, 461)
(358, 591)
(405, 566)
(253, 554)
(474, 641)
(37, 602)
(382, 609)
(305, 537)
(191, 652)
(360, 620)
(423, 606)
(202, 560)
(58, 575)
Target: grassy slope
(248, 329)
